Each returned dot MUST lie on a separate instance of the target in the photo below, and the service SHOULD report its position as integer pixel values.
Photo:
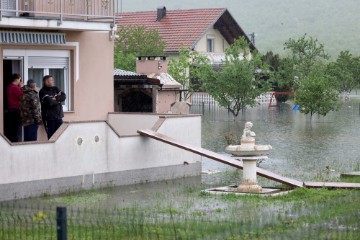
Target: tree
(282, 75)
(189, 66)
(236, 85)
(135, 41)
(305, 53)
(272, 60)
(346, 70)
(317, 93)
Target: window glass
(37, 75)
(210, 45)
(59, 77)
(60, 80)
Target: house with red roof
(208, 31)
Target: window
(210, 45)
(210, 38)
(38, 63)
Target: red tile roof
(179, 28)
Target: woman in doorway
(13, 119)
(30, 111)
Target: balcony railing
(80, 10)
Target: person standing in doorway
(30, 111)
(13, 119)
(51, 105)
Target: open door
(11, 65)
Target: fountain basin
(248, 150)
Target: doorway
(11, 65)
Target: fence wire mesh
(36, 222)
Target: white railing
(203, 98)
(83, 10)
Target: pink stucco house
(74, 41)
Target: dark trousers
(13, 125)
(52, 126)
(30, 132)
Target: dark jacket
(30, 107)
(51, 103)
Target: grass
(301, 214)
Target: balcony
(58, 14)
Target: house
(61, 38)
(74, 41)
(150, 89)
(208, 31)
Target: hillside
(335, 23)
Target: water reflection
(317, 149)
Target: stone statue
(248, 135)
(247, 145)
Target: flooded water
(305, 149)
(317, 149)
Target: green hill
(335, 23)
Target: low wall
(126, 124)
(94, 154)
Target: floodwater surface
(306, 149)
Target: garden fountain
(249, 153)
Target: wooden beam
(332, 185)
(218, 157)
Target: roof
(124, 73)
(166, 80)
(124, 77)
(184, 28)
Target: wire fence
(35, 222)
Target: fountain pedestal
(249, 182)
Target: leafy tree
(190, 65)
(272, 60)
(134, 41)
(317, 93)
(305, 53)
(346, 70)
(236, 85)
(282, 77)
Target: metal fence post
(61, 223)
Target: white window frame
(45, 53)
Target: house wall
(220, 43)
(91, 75)
(94, 90)
(92, 154)
(165, 99)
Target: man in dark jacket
(51, 105)
(30, 111)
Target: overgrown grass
(301, 214)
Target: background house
(208, 31)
